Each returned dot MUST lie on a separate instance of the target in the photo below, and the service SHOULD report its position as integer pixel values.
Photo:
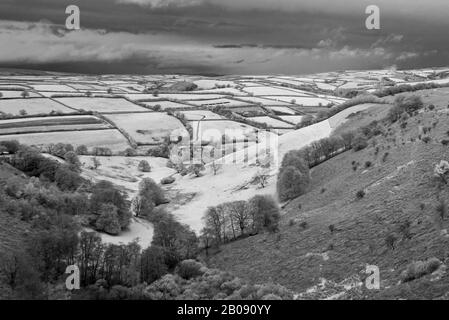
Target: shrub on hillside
(81, 150)
(189, 269)
(418, 269)
(11, 146)
(404, 104)
(167, 180)
(359, 142)
(360, 194)
(144, 166)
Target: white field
(213, 130)
(196, 115)
(219, 102)
(154, 126)
(16, 94)
(286, 110)
(210, 83)
(101, 104)
(45, 124)
(275, 123)
(225, 91)
(168, 105)
(292, 119)
(32, 106)
(306, 101)
(110, 138)
(272, 91)
(52, 94)
(265, 102)
(53, 87)
(190, 96)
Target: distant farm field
(213, 130)
(292, 119)
(167, 104)
(192, 115)
(148, 128)
(110, 138)
(102, 105)
(305, 101)
(224, 102)
(52, 87)
(16, 94)
(32, 106)
(267, 91)
(46, 124)
(275, 123)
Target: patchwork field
(46, 124)
(32, 106)
(102, 105)
(109, 138)
(213, 130)
(271, 122)
(148, 128)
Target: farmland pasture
(274, 91)
(271, 122)
(4, 94)
(165, 104)
(102, 105)
(281, 110)
(53, 87)
(224, 102)
(305, 101)
(148, 128)
(192, 115)
(110, 138)
(292, 119)
(213, 130)
(32, 106)
(46, 124)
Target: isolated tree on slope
(144, 166)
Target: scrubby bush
(130, 152)
(167, 180)
(359, 142)
(81, 150)
(360, 194)
(441, 171)
(144, 166)
(418, 269)
(11, 146)
(189, 269)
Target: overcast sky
(222, 36)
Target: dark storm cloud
(260, 36)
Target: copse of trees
(150, 196)
(104, 193)
(294, 177)
(233, 220)
(405, 105)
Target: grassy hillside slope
(329, 235)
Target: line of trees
(233, 220)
